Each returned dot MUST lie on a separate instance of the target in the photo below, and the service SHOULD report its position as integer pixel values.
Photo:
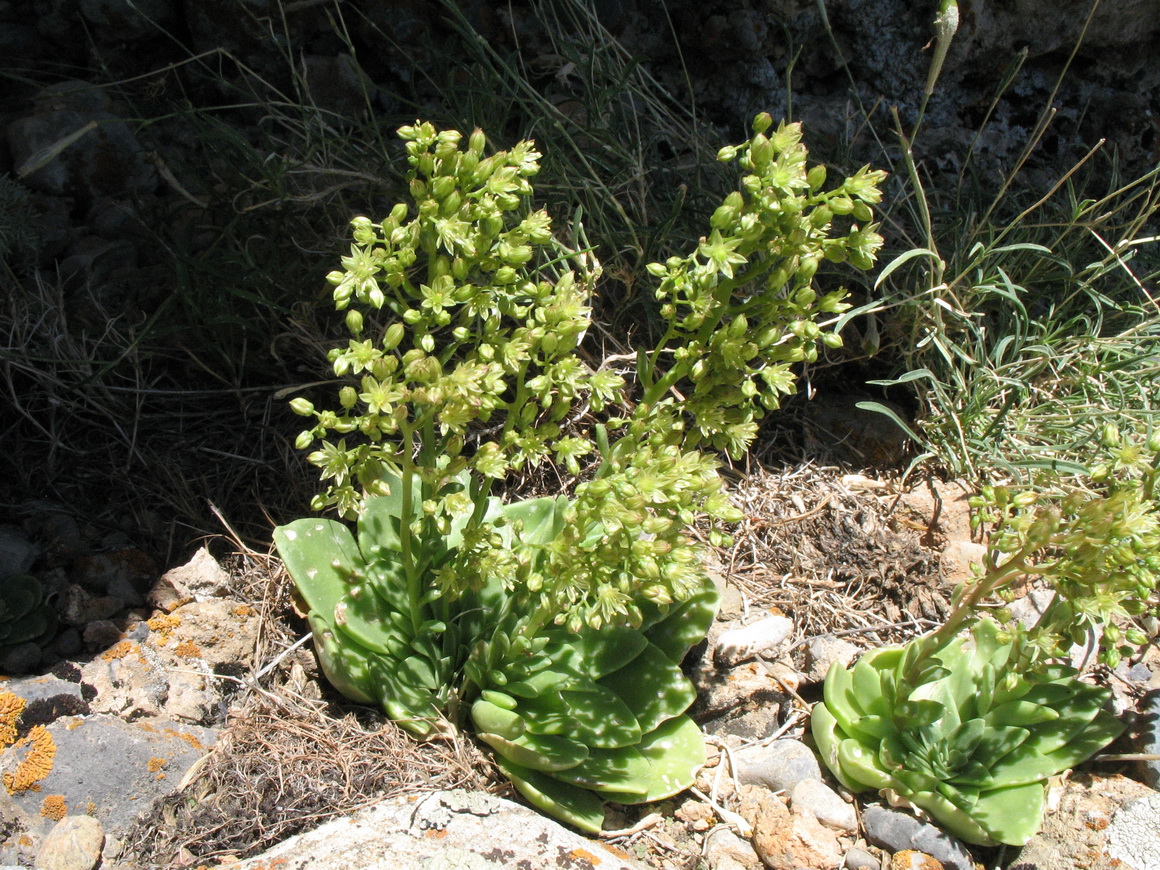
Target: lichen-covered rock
(444, 829)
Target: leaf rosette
(960, 732)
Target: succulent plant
(961, 731)
(575, 717)
(25, 617)
(556, 625)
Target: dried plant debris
(283, 767)
(832, 558)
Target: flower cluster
(743, 308)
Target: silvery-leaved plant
(970, 727)
(554, 626)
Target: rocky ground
(180, 724)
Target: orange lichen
(155, 764)
(188, 738)
(36, 764)
(187, 649)
(53, 807)
(163, 624)
(243, 610)
(584, 855)
(119, 650)
(11, 706)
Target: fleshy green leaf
(652, 687)
(675, 752)
(578, 807)
(625, 770)
(538, 751)
(585, 711)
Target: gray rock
(47, 698)
(1134, 834)
(22, 659)
(74, 843)
(724, 850)
(449, 830)
(1149, 736)
(860, 859)
(72, 146)
(896, 831)
(779, 766)
(821, 652)
(113, 769)
(16, 552)
(825, 804)
(123, 21)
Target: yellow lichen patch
(36, 764)
(11, 706)
(188, 738)
(163, 624)
(155, 764)
(243, 610)
(53, 807)
(187, 649)
(119, 650)
(584, 855)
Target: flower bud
(727, 154)
(354, 321)
(302, 407)
(816, 177)
(348, 397)
(304, 440)
(477, 141)
(393, 336)
(762, 122)
(760, 152)
(1110, 437)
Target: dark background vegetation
(162, 281)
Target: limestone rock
(444, 829)
(74, 843)
(198, 579)
(748, 641)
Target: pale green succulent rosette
(603, 715)
(970, 740)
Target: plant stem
(414, 592)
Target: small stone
(198, 579)
(786, 676)
(957, 558)
(16, 553)
(860, 859)
(817, 798)
(101, 633)
(779, 766)
(22, 659)
(909, 859)
(724, 850)
(74, 843)
(896, 831)
(785, 840)
(821, 652)
(741, 644)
